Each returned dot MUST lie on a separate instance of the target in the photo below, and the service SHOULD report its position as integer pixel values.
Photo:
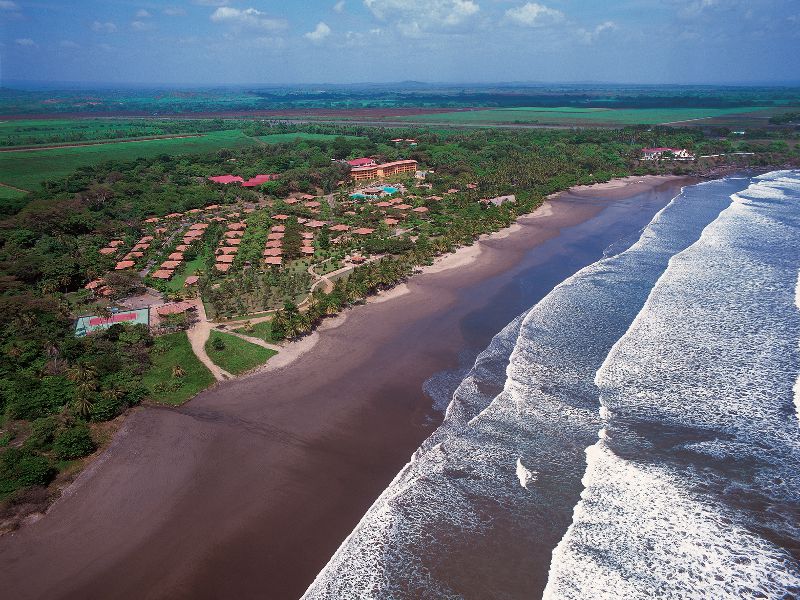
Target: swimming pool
(389, 189)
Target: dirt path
(11, 187)
(252, 340)
(198, 336)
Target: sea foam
(478, 510)
(694, 490)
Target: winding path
(198, 335)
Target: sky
(211, 42)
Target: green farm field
(582, 116)
(283, 138)
(27, 169)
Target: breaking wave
(504, 480)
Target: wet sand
(247, 490)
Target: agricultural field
(27, 169)
(283, 138)
(32, 132)
(572, 116)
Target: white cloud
(174, 11)
(107, 27)
(212, 2)
(8, 5)
(142, 14)
(69, 44)
(589, 36)
(412, 17)
(321, 31)
(339, 6)
(534, 15)
(140, 26)
(249, 17)
(27, 42)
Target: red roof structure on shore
(258, 180)
(226, 179)
(361, 162)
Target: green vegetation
(235, 355)
(261, 330)
(176, 373)
(581, 116)
(283, 138)
(27, 169)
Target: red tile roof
(226, 179)
(124, 264)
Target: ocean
(634, 434)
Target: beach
(248, 489)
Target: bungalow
(274, 244)
(363, 231)
(278, 235)
(361, 162)
(273, 260)
(280, 217)
(176, 256)
(171, 264)
(273, 252)
(340, 227)
(164, 274)
(315, 224)
(227, 250)
(390, 222)
(226, 258)
(226, 179)
(259, 180)
(420, 209)
(191, 280)
(307, 250)
(198, 226)
(224, 267)
(115, 243)
(107, 251)
(175, 308)
(151, 220)
(279, 229)
(133, 255)
(124, 264)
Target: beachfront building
(671, 154)
(379, 171)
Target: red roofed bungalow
(124, 264)
(276, 236)
(191, 280)
(279, 228)
(273, 252)
(314, 204)
(357, 258)
(361, 162)
(391, 221)
(226, 258)
(233, 241)
(240, 226)
(163, 274)
(420, 209)
(176, 256)
(307, 235)
(145, 239)
(170, 264)
(211, 207)
(403, 206)
(274, 244)
(222, 267)
(280, 217)
(151, 220)
(291, 201)
(307, 250)
(258, 180)
(93, 284)
(363, 231)
(340, 227)
(233, 234)
(198, 226)
(182, 247)
(173, 216)
(115, 243)
(226, 179)
(133, 255)
(227, 250)
(383, 204)
(315, 224)
(107, 251)
(273, 260)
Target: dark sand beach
(247, 490)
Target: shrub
(21, 467)
(74, 442)
(43, 433)
(218, 344)
(106, 408)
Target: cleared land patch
(28, 169)
(234, 354)
(581, 116)
(176, 373)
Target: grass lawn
(28, 168)
(190, 268)
(262, 330)
(170, 350)
(581, 116)
(239, 355)
(10, 194)
(282, 138)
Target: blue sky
(352, 41)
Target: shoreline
(174, 495)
